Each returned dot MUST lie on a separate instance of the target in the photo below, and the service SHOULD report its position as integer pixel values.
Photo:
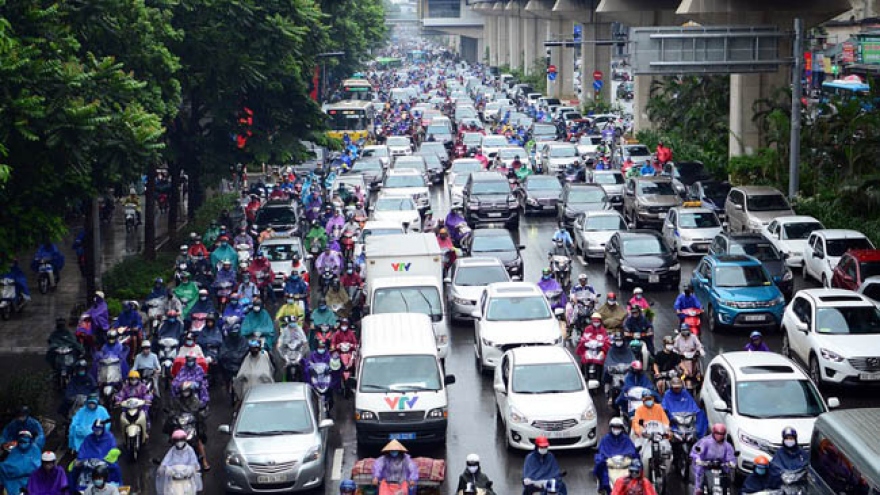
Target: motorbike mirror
(521, 246)
(325, 424)
(736, 453)
(801, 326)
(224, 429)
(563, 473)
(447, 280)
(449, 379)
(476, 313)
(489, 484)
(833, 403)
(559, 311)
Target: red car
(854, 267)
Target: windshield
(544, 130)
(494, 141)
(556, 378)
(395, 204)
(586, 195)
(791, 399)
(361, 165)
(644, 246)
(800, 230)
(279, 252)
(393, 181)
(637, 151)
(741, 276)
(465, 167)
(698, 220)
(397, 141)
(767, 202)
(590, 140)
(854, 320)
(431, 158)
(492, 243)
(762, 252)
(340, 121)
(543, 184)
(437, 130)
(608, 178)
(379, 232)
(478, 276)
(461, 179)
(563, 151)
(433, 148)
(572, 116)
(380, 152)
(518, 309)
(404, 373)
(836, 247)
(424, 300)
(605, 222)
(275, 216)
(490, 187)
(511, 153)
(657, 188)
(471, 138)
(283, 417)
(417, 163)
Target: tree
(355, 28)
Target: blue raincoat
(635, 380)
(609, 446)
(323, 317)
(18, 466)
(81, 425)
(96, 447)
(683, 402)
(10, 433)
(223, 252)
(543, 467)
(130, 318)
(259, 321)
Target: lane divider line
(337, 465)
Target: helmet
(719, 429)
(646, 393)
(184, 247)
(756, 335)
(788, 431)
(112, 334)
(542, 442)
(178, 435)
(473, 459)
(171, 313)
(668, 339)
(146, 344)
(616, 421)
(761, 461)
(100, 471)
(545, 271)
(635, 366)
(611, 296)
(82, 363)
(635, 345)
(635, 466)
(685, 327)
(595, 316)
(347, 486)
(134, 374)
(637, 290)
(48, 456)
(582, 276)
(676, 382)
(254, 344)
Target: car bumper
(646, 278)
(795, 260)
(241, 479)
(650, 218)
(594, 250)
(844, 373)
(583, 435)
(694, 248)
(747, 318)
(461, 308)
(379, 433)
(540, 207)
(515, 270)
(482, 217)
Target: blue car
(736, 291)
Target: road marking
(337, 465)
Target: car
(593, 229)
(440, 130)
(532, 98)
(542, 132)
(467, 279)
(397, 208)
(371, 169)
(509, 153)
(547, 102)
(555, 156)
(638, 153)
(374, 227)
(491, 143)
(684, 174)
(408, 181)
(280, 216)
(588, 146)
(751, 208)
(415, 162)
(541, 193)
(641, 257)
(736, 291)
(540, 391)
(759, 247)
(379, 151)
(278, 440)
(434, 165)
(824, 249)
(472, 140)
(457, 176)
(870, 288)
(499, 244)
(487, 199)
(279, 251)
(578, 198)
(690, 228)
(789, 234)
(399, 145)
(512, 314)
(562, 109)
(757, 394)
(834, 333)
(612, 181)
(855, 266)
(646, 200)
(712, 194)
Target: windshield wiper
(415, 388)
(267, 433)
(373, 386)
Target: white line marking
(337, 465)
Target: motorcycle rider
(559, 249)
(582, 290)
(638, 299)
(226, 275)
(180, 454)
(22, 460)
(351, 226)
(686, 300)
(637, 323)
(331, 260)
(443, 240)
(323, 315)
(618, 354)
(19, 278)
(635, 377)
(259, 320)
(146, 360)
(247, 289)
(104, 481)
(290, 309)
(48, 250)
(49, 479)
(81, 384)
(62, 337)
(334, 222)
(540, 466)
(189, 402)
(187, 292)
(112, 348)
(260, 266)
(429, 224)
(316, 238)
(473, 475)
(635, 483)
(649, 411)
(295, 286)
(665, 359)
(321, 355)
(182, 256)
(351, 278)
(454, 218)
(191, 372)
(100, 315)
(713, 447)
(686, 342)
(196, 248)
(395, 466)
(256, 368)
(189, 347)
(614, 443)
(211, 234)
(23, 421)
(172, 327)
(134, 387)
(84, 419)
(791, 457)
(243, 239)
(756, 343)
(562, 234)
(338, 300)
(613, 314)
(593, 331)
(679, 400)
(640, 353)
(345, 334)
(550, 284)
(760, 480)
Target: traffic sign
(578, 30)
(551, 69)
(597, 85)
(597, 75)
(551, 76)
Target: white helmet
(615, 421)
(473, 459)
(637, 290)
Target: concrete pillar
(554, 88)
(514, 40)
(641, 96)
(594, 57)
(566, 67)
(489, 25)
(501, 38)
(532, 46)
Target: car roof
(795, 219)
(273, 392)
(862, 255)
(749, 238)
(540, 354)
(758, 190)
(733, 259)
(404, 171)
(638, 233)
(760, 366)
(583, 185)
(281, 240)
(839, 233)
(601, 213)
(513, 289)
(486, 176)
(478, 261)
(692, 209)
(490, 233)
(835, 297)
(653, 179)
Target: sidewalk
(27, 332)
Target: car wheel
(825, 282)
(621, 283)
(815, 373)
(607, 270)
(712, 324)
(805, 273)
(480, 369)
(786, 344)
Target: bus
(353, 117)
(357, 89)
(388, 63)
(845, 88)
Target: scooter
(167, 353)
(187, 422)
(155, 309)
(633, 401)
(244, 255)
(665, 377)
(182, 267)
(293, 354)
(692, 371)
(64, 361)
(181, 480)
(10, 300)
(224, 290)
(347, 243)
(130, 219)
(327, 277)
(717, 478)
(109, 379)
(321, 380)
(684, 436)
(45, 275)
(132, 414)
(561, 266)
(84, 469)
(348, 355)
(618, 467)
(594, 359)
(658, 458)
(618, 374)
(794, 481)
(693, 319)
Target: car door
(612, 255)
(846, 274)
(702, 281)
(579, 232)
(799, 340)
(733, 207)
(818, 262)
(502, 386)
(668, 229)
(773, 233)
(478, 323)
(629, 198)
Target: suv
(579, 198)
(279, 215)
(751, 208)
(854, 267)
(488, 199)
(555, 156)
(408, 181)
(824, 249)
(736, 292)
(759, 247)
(790, 234)
(690, 229)
(834, 332)
(646, 200)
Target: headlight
(831, 356)
(487, 343)
(779, 301)
(313, 454)
(532, 201)
(787, 276)
(729, 304)
(364, 415)
(438, 413)
(233, 459)
(516, 416)
(589, 414)
(675, 268)
(755, 224)
(473, 206)
(755, 442)
(628, 269)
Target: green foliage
(596, 107)
(355, 27)
(31, 389)
(536, 78)
(211, 210)
(114, 306)
(761, 168)
(837, 211)
(132, 278)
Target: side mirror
(449, 379)
(833, 403)
(738, 207)
(325, 424)
(476, 313)
(224, 429)
(593, 384)
(499, 387)
(720, 406)
(559, 312)
(802, 327)
(447, 280)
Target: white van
(400, 390)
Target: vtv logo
(401, 403)
(401, 267)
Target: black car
(497, 243)
(759, 247)
(711, 193)
(641, 257)
(371, 169)
(540, 194)
(434, 164)
(578, 198)
(279, 215)
(488, 199)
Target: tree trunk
(196, 195)
(150, 215)
(91, 251)
(173, 197)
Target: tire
(825, 283)
(712, 323)
(814, 372)
(804, 273)
(480, 368)
(43, 284)
(6, 313)
(786, 344)
(621, 283)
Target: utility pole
(796, 89)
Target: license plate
(869, 377)
(754, 317)
(558, 434)
(401, 436)
(549, 207)
(653, 279)
(493, 215)
(274, 478)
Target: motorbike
(662, 381)
(188, 423)
(594, 358)
(109, 379)
(292, 354)
(181, 267)
(684, 436)
(10, 300)
(64, 361)
(181, 480)
(633, 401)
(555, 299)
(167, 353)
(794, 481)
(130, 219)
(538, 487)
(327, 277)
(132, 412)
(224, 290)
(657, 459)
(155, 309)
(85, 468)
(45, 275)
(561, 266)
(617, 373)
(692, 372)
(580, 317)
(197, 323)
(348, 355)
(716, 478)
(347, 243)
(85, 334)
(692, 318)
(321, 381)
(212, 356)
(618, 467)
(244, 252)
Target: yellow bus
(357, 89)
(353, 117)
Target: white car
(468, 278)
(380, 151)
(556, 156)
(588, 145)
(399, 209)
(824, 249)
(836, 334)
(399, 145)
(279, 251)
(408, 181)
(789, 234)
(512, 314)
(491, 143)
(757, 394)
(870, 288)
(593, 229)
(689, 230)
(540, 391)
(457, 176)
(509, 153)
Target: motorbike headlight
(364, 415)
(438, 413)
(233, 459)
(831, 356)
(473, 206)
(589, 414)
(756, 442)
(516, 416)
(313, 454)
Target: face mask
(189, 342)
(760, 470)
(81, 373)
(616, 431)
(322, 351)
(718, 438)
(98, 431)
(290, 301)
(668, 347)
(172, 318)
(597, 324)
(612, 303)
(649, 403)
(685, 334)
(394, 453)
(24, 443)
(344, 327)
(789, 443)
(618, 343)
(99, 483)
(543, 450)
(638, 296)
(546, 277)
(133, 382)
(323, 307)
(257, 308)
(203, 298)
(111, 341)
(190, 364)
(222, 244)
(473, 469)
(180, 444)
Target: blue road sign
(597, 85)
(578, 30)
(551, 76)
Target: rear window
(836, 247)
